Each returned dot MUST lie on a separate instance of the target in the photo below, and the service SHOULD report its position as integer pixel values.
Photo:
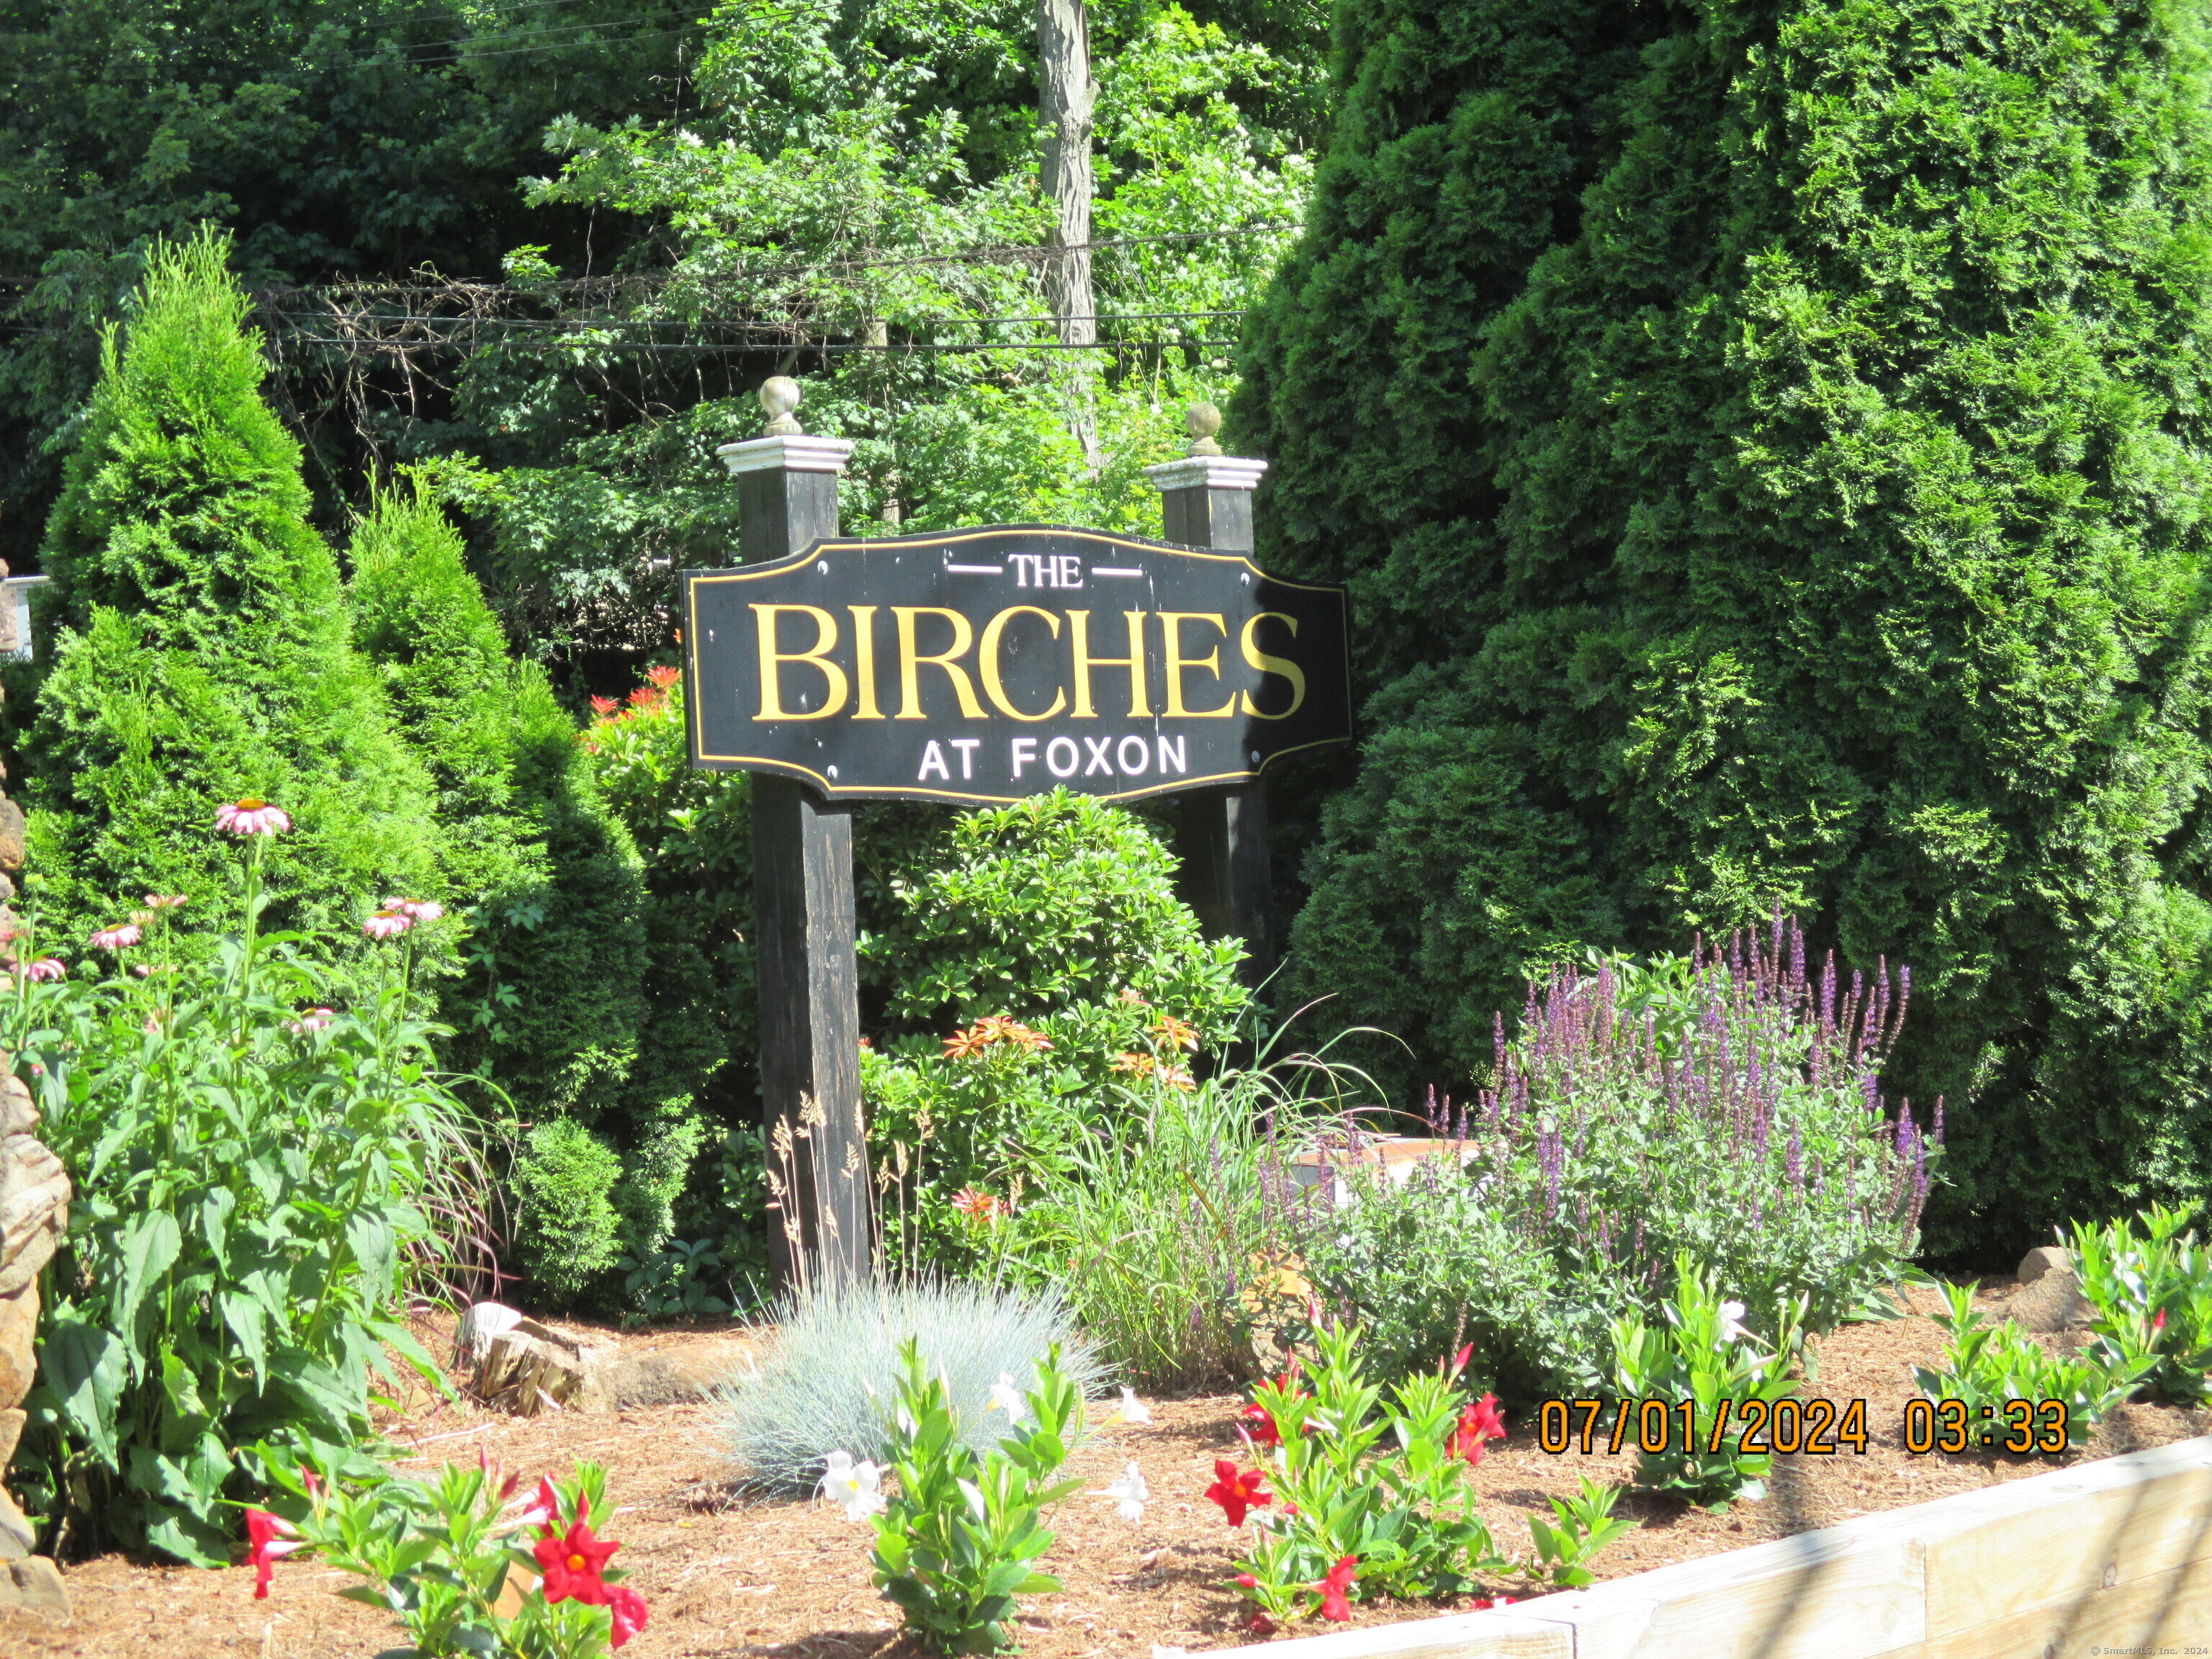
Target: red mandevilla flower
(1334, 1606)
(1237, 1490)
(1259, 1425)
(628, 1609)
(1478, 1422)
(572, 1563)
(269, 1535)
(2159, 1323)
(1246, 1581)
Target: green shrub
(835, 1362)
(1768, 446)
(198, 640)
(1988, 1368)
(1702, 1356)
(1434, 1263)
(1038, 960)
(2153, 1294)
(1052, 903)
(1367, 1487)
(440, 1555)
(959, 1541)
(1724, 1105)
(565, 1222)
(552, 872)
(259, 1178)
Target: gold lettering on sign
(1078, 629)
(912, 662)
(864, 665)
(772, 661)
(1171, 624)
(988, 660)
(1267, 664)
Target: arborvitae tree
(550, 999)
(547, 874)
(1821, 524)
(198, 643)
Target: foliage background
(1766, 443)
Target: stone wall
(34, 1195)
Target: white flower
(1133, 1410)
(1006, 1397)
(1132, 1494)
(855, 1488)
(1732, 1330)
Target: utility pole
(1067, 97)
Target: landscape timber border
(2113, 1555)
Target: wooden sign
(988, 666)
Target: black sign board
(985, 665)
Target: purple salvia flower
(1793, 1162)
(1937, 1136)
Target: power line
(557, 45)
(402, 348)
(985, 254)
(548, 323)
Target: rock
(35, 1583)
(697, 1372)
(19, 1113)
(11, 834)
(11, 1433)
(2041, 1259)
(19, 1354)
(34, 1198)
(17, 1536)
(2053, 1303)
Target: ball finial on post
(1202, 421)
(779, 396)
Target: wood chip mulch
(725, 1577)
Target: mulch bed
(789, 1580)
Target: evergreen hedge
(549, 1001)
(1767, 444)
(199, 648)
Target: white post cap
(785, 448)
(1211, 471)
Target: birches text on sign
(986, 666)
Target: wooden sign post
(977, 667)
(1207, 500)
(804, 930)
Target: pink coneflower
(45, 968)
(315, 1020)
(386, 923)
(164, 901)
(252, 817)
(116, 939)
(416, 909)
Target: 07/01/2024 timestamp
(1800, 1428)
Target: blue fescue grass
(833, 1372)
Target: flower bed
(726, 1576)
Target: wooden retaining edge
(2114, 1554)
